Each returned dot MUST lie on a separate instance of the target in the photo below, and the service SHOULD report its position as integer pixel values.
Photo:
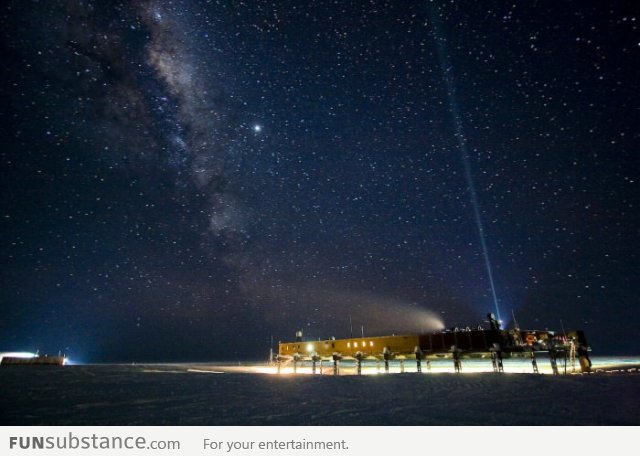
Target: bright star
(257, 128)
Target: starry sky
(184, 180)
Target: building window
(371, 343)
(348, 344)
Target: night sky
(182, 180)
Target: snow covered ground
(225, 394)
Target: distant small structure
(24, 359)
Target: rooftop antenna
(564, 336)
(350, 326)
(515, 322)
(271, 349)
(362, 329)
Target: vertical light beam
(448, 77)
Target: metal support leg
(583, 357)
(494, 361)
(315, 358)
(417, 351)
(554, 363)
(455, 355)
(585, 364)
(457, 364)
(359, 356)
(402, 366)
(386, 355)
(534, 363)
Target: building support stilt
(359, 356)
(419, 355)
(583, 358)
(336, 363)
(457, 363)
(553, 360)
(314, 360)
(496, 358)
(386, 354)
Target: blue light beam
(448, 77)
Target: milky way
(217, 173)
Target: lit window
(371, 343)
(355, 344)
(348, 344)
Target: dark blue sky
(182, 180)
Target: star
(369, 187)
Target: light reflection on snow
(511, 366)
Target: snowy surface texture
(216, 395)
